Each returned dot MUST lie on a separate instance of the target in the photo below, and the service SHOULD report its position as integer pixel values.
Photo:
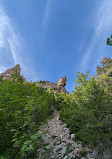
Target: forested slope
(87, 111)
(23, 108)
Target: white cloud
(47, 12)
(10, 47)
(103, 28)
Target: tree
(89, 116)
(106, 63)
(109, 41)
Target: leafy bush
(83, 153)
(88, 112)
(43, 82)
(28, 145)
(23, 107)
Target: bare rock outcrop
(10, 72)
(14, 70)
(58, 87)
(61, 85)
(62, 82)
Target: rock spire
(10, 72)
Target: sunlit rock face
(62, 82)
(14, 70)
(61, 85)
(10, 72)
(58, 87)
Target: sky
(54, 38)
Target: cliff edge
(58, 87)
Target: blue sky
(54, 38)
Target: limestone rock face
(58, 87)
(61, 90)
(61, 85)
(14, 70)
(62, 82)
(8, 73)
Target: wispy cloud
(9, 45)
(11, 48)
(47, 12)
(103, 27)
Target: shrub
(88, 113)
(23, 107)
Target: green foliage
(88, 112)
(28, 145)
(105, 75)
(55, 88)
(68, 149)
(106, 63)
(2, 157)
(83, 153)
(43, 82)
(23, 107)
(109, 41)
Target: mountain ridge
(58, 87)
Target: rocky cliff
(58, 87)
(8, 74)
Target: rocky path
(60, 143)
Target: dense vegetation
(88, 110)
(23, 107)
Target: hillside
(41, 120)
